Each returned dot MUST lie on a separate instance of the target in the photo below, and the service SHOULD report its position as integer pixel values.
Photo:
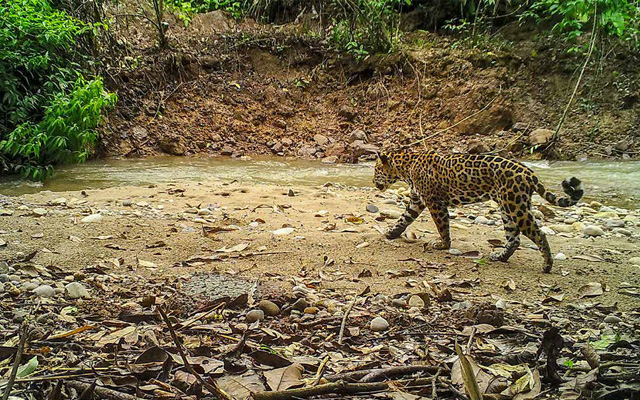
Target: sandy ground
(150, 231)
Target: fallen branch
(340, 387)
(101, 392)
(355, 376)
(17, 360)
(214, 389)
(344, 319)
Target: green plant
(189, 7)
(363, 27)
(48, 110)
(619, 18)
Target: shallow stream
(611, 182)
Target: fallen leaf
(553, 298)
(28, 368)
(285, 378)
(236, 248)
(591, 289)
(241, 387)
(283, 231)
(587, 257)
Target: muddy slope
(242, 89)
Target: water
(612, 182)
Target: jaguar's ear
(383, 157)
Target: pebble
(481, 220)
(60, 201)
(392, 214)
(593, 230)
(127, 202)
(399, 303)
(379, 324)
(547, 231)
(44, 291)
(29, 286)
(462, 305)
(192, 210)
(283, 231)
(75, 290)
(291, 193)
(562, 228)
(614, 223)
(390, 202)
(455, 252)
(5, 213)
(622, 231)
(205, 211)
(311, 310)
(560, 257)
(416, 301)
(4, 278)
(634, 261)
(255, 315)
(39, 212)
(269, 307)
(612, 319)
(91, 218)
(578, 226)
(372, 209)
(300, 305)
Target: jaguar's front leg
(414, 208)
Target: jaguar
(439, 181)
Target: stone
(372, 209)
(477, 147)
(622, 231)
(392, 214)
(612, 319)
(360, 148)
(379, 324)
(561, 228)
(635, 261)
(60, 201)
(205, 211)
(93, 218)
(173, 144)
(255, 315)
(455, 252)
(311, 310)
(416, 301)
(578, 226)
(560, 257)
(300, 305)
(399, 303)
(39, 212)
(593, 230)
(520, 126)
(358, 134)
(44, 291)
(348, 113)
(76, 290)
(540, 136)
(481, 220)
(330, 160)
(127, 202)
(614, 223)
(5, 213)
(291, 193)
(321, 139)
(29, 286)
(269, 308)
(307, 151)
(336, 149)
(606, 214)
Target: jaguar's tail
(571, 186)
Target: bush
(363, 27)
(188, 7)
(48, 110)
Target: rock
(270, 308)
(379, 324)
(540, 136)
(477, 147)
(634, 261)
(280, 123)
(205, 211)
(29, 286)
(277, 147)
(578, 226)
(416, 301)
(44, 291)
(60, 201)
(622, 146)
(300, 305)
(173, 144)
(560, 257)
(392, 214)
(75, 290)
(255, 315)
(311, 310)
(358, 134)
(561, 228)
(321, 139)
(227, 150)
(481, 220)
(622, 231)
(606, 214)
(520, 126)
(348, 113)
(546, 211)
(39, 212)
(127, 202)
(612, 319)
(614, 223)
(307, 151)
(455, 252)
(283, 231)
(593, 230)
(336, 149)
(399, 303)
(360, 148)
(291, 193)
(91, 218)
(330, 160)
(372, 209)
(5, 213)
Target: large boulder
(360, 148)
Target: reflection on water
(613, 182)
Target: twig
(101, 392)
(321, 369)
(340, 387)
(454, 125)
(17, 360)
(344, 319)
(379, 374)
(354, 376)
(214, 389)
(584, 66)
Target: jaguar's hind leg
(530, 229)
(513, 239)
(440, 215)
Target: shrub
(48, 110)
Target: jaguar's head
(384, 175)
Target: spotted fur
(439, 181)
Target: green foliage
(186, 8)
(618, 18)
(48, 111)
(364, 27)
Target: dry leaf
(591, 289)
(285, 378)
